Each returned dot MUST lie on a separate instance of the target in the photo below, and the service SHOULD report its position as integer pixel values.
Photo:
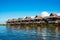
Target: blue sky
(20, 8)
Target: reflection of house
(53, 18)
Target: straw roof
(27, 18)
(53, 14)
(9, 20)
(14, 20)
(52, 17)
(20, 19)
(38, 17)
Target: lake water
(29, 33)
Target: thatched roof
(9, 20)
(38, 17)
(53, 14)
(14, 20)
(27, 18)
(52, 17)
(20, 19)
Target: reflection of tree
(27, 28)
(38, 32)
(52, 31)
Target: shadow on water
(29, 33)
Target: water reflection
(29, 33)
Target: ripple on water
(23, 34)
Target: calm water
(29, 33)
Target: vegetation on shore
(2, 24)
(35, 25)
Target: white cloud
(32, 16)
(58, 14)
(44, 13)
